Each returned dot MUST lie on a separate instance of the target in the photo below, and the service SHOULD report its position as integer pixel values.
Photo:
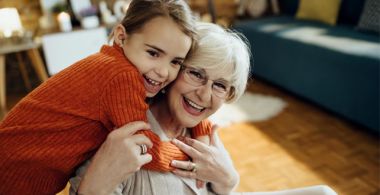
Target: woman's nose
(204, 92)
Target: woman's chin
(186, 119)
(190, 123)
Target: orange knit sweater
(64, 121)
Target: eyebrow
(224, 81)
(162, 51)
(219, 79)
(156, 48)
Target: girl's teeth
(194, 105)
(153, 82)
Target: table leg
(24, 72)
(3, 103)
(38, 64)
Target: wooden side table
(31, 48)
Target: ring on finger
(193, 167)
(144, 149)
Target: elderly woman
(216, 73)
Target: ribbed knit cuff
(162, 153)
(203, 128)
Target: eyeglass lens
(198, 77)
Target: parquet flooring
(304, 145)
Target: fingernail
(188, 140)
(181, 138)
(175, 141)
(174, 163)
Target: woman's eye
(196, 74)
(220, 86)
(153, 53)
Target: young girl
(64, 121)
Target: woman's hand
(118, 158)
(212, 164)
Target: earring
(163, 91)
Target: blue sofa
(336, 67)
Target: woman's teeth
(194, 105)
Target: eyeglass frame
(230, 89)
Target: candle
(64, 22)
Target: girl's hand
(211, 161)
(118, 158)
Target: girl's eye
(153, 53)
(177, 62)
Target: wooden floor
(302, 146)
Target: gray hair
(222, 51)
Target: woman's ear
(120, 35)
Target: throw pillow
(319, 10)
(370, 18)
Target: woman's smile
(191, 107)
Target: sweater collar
(115, 51)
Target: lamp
(10, 22)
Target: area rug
(251, 107)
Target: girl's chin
(150, 94)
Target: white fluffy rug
(250, 107)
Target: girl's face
(191, 100)
(157, 50)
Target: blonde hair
(142, 11)
(220, 51)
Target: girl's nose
(162, 71)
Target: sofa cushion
(319, 10)
(370, 18)
(349, 12)
(337, 38)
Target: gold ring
(193, 167)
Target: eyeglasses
(199, 77)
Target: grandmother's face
(191, 101)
